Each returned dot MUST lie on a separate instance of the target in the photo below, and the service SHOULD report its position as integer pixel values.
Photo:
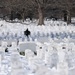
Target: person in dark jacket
(27, 32)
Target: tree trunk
(41, 16)
(65, 16)
(12, 16)
(23, 17)
(10, 12)
(68, 17)
(23, 11)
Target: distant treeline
(40, 9)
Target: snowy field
(49, 50)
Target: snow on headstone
(61, 56)
(66, 40)
(4, 44)
(62, 64)
(48, 53)
(30, 74)
(20, 40)
(72, 46)
(30, 58)
(16, 65)
(38, 51)
(47, 58)
(14, 51)
(41, 51)
(14, 44)
(42, 70)
(61, 53)
(54, 71)
(15, 60)
(17, 72)
(33, 64)
(28, 54)
(30, 38)
(2, 51)
(35, 40)
(62, 68)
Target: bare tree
(40, 5)
(23, 6)
(67, 5)
(16, 6)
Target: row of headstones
(40, 54)
(41, 38)
(8, 43)
(14, 54)
(62, 65)
(55, 47)
(50, 28)
(40, 29)
(41, 51)
(51, 41)
(14, 66)
(34, 35)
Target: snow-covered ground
(49, 50)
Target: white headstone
(14, 44)
(41, 52)
(4, 44)
(48, 54)
(62, 64)
(28, 53)
(62, 68)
